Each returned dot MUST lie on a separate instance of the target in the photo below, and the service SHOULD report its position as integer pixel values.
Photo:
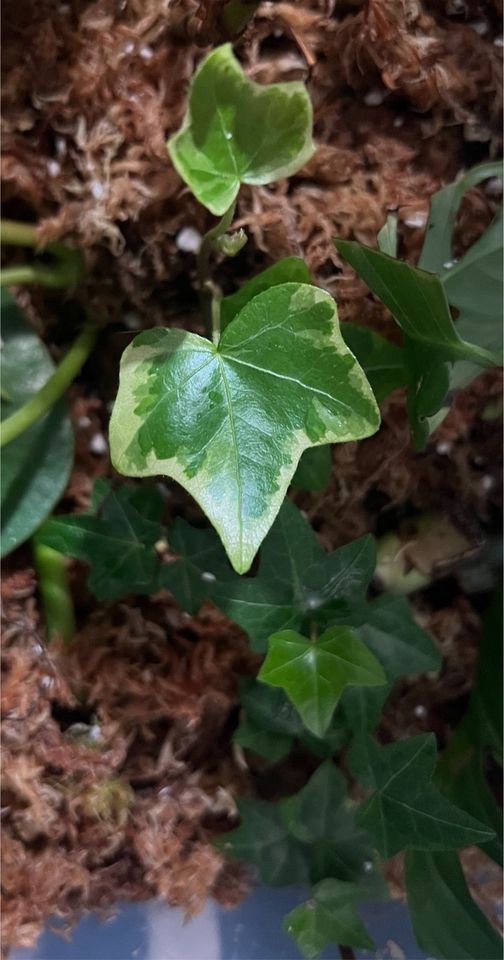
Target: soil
(118, 759)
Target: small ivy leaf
(314, 469)
(297, 580)
(36, 465)
(416, 299)
(268, 745)
(200, 562)
(330, 916)
(383, 362)
(268, 709)
(288, 270)
(406, 811)
(315, 673)
(230, 423)
(447, 922)
(117, 542)
(236, 131)
(263, 840)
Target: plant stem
(54, 592)
(209, 295)
(41, 402)
(236, 15)
(66, 271)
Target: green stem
(41, 402)
(207, 290)
(54, 592)
(236, 15)
(68, 267)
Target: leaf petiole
(65, 373)
(210, 296)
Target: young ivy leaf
(230, 422)
(263, 840)
(117, 541)
(330, 916)
(315, 673)
(447, 922)
(296, 580)
(406, 811)
(236, 131)
(267, 710)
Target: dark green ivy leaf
(262, 839)
(447, 922)
(200, 561)
(406, 810)
(314, 469)
(296, 578)
(117, 541)
(322, 816)
(382, 361)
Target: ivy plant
(229, 417)
(235, 416)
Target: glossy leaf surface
(315, 673)
(406, 811)
(36, 465)
(447, 922)
(230, 422)
(236, 131)
(116, 540)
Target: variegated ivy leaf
(230, 422)
(236, 131)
